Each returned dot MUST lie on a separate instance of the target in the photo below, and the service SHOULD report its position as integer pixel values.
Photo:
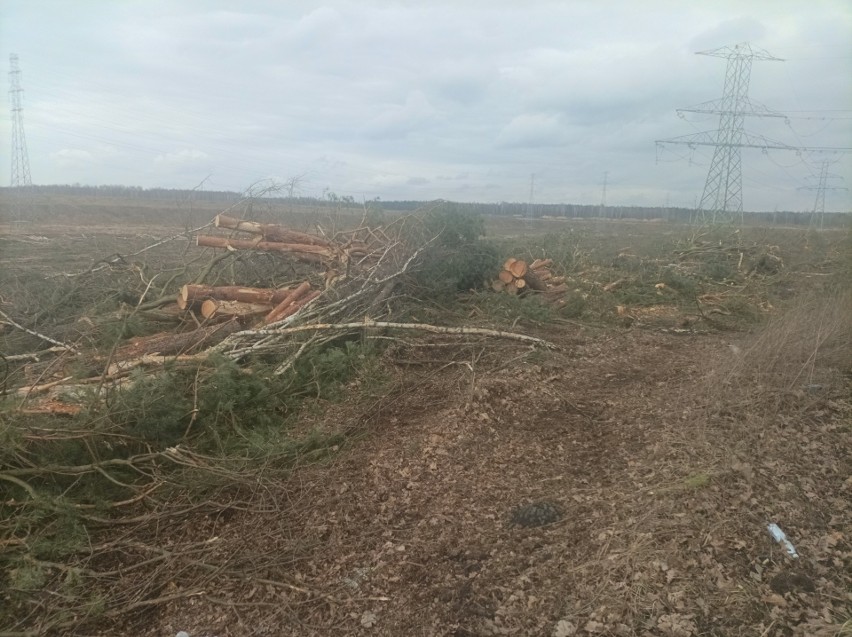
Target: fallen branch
(423, 327)
(43, 337)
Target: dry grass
(800, 350)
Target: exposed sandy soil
(662, 502)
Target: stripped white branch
(43, 337)
(423, 327)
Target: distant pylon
(532, 196)
(20, 159)
(821, 187)
(722, 199)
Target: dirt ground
(661, 507)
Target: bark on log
(534, 282)
(270, 232)
(191, 294)
(278, 311)
(538, 264)
(297, 305)
(301, 251)
(215, 308)
(166, 343)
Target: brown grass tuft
(805, 349)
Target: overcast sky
(460, 100)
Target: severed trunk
(270, 232)
(195, 294)
(280, 310)
(300, 251)
(167, 343)
(215, 308)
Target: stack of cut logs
(246, 304)
(274, 238)
(518, 277)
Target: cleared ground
(618, 485)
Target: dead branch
(43, 337)
(423, 327)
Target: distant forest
(506, 209)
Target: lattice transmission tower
(20, 158)
(821, 188)
(722, 199)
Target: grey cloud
(394, 99)
(533, 130)
(729, 32)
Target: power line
(722, 198)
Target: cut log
(215, 308)
(508, 263)
(544, 275)
(270, 232)
(541, 263)
(512, 289)
(297, 305)
(278, 311)
(191, 294)
(167, 343)
(520, 284)
(506, 277)
(300, 251)
(534, 282)
(498, 285)
(518, 268)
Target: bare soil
(663, 505)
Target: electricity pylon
(20, 159)
(821, 187)
(722, 199)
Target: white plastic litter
(778, 535)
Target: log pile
(220, 311)
(243, 303)
(519, 277)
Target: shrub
(457, 259)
